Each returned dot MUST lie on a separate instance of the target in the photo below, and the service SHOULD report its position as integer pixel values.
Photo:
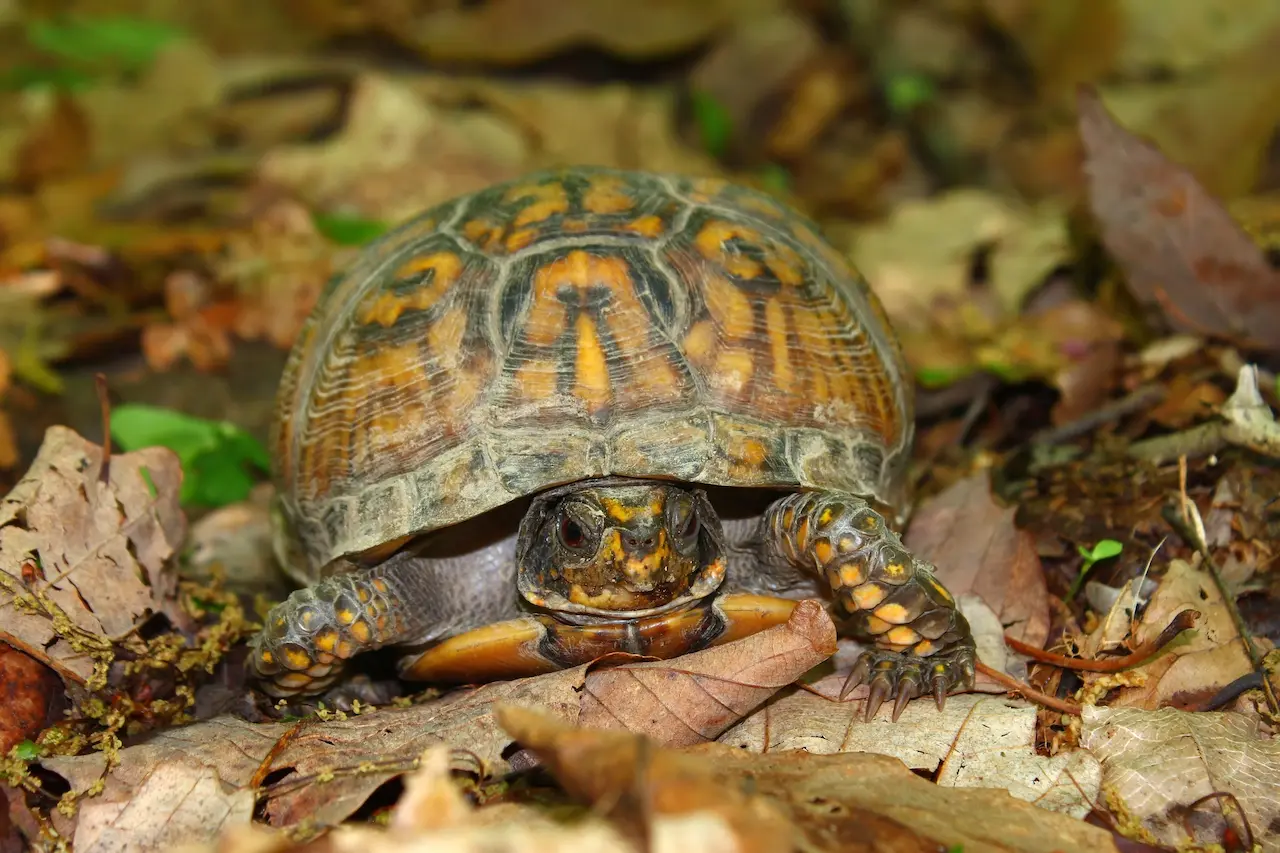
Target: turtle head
(620, 548)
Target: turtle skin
(626, 355)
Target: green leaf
(941, 377)
(135, 426)
(905, 92)
(348, 230)
(129, 42)
(27, 751)
(1104, 550)
(715, 125)
(217, 478)
(220, 462)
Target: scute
(576, 324)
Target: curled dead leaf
(635, 781)
(696, 697)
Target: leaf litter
(262, 151)
(85, 549)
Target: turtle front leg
(886, 595)
(309, 637)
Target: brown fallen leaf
(27, 690)
(979, 550)
(752, 65)
(635, 780)
(397, 154)
(695, 697)
(867, 802)
(397, 736)
(975, 741)
(515, 31)
(850, 802)
(155, 793)
(1157, 763)
(1200, 664)
(177, 803)
(1181, 251)
(58, 146)
(85, 559)
(628, 127)
(431, 800)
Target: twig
(1182, 621)
(1244, 421)
(1141, 398)
(1021, 688)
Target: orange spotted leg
(885, 594)
(310, 636)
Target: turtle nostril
(638, 541)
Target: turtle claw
(881, 689)
(860, 672)
(902, 677)
(940, 690)
(907, 691)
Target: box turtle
(592, 411)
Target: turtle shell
(576, 324)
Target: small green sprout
(1104, 550)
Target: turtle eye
(691, 526)
(683, 521)
(571, 533)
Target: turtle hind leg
(885, 594)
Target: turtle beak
(644, 563)
(640, 560)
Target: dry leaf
(97, 552)
(617, 125)
(979, 549)
(1159, 762)
(634, 780)
(1190, 38)
(515, 31)
(695, 697)
(922, 255)
(1179, 247)
(527, 829)
(154, 795)
(163, 109)
(57, 147)
(27, 689)
(977, 741)
(177, 803)
(866, 802)
(1201, 663)
(397, 154)
(850, 802)
(754, 64)
(279, 266)
(431, 800)
(462, 720)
